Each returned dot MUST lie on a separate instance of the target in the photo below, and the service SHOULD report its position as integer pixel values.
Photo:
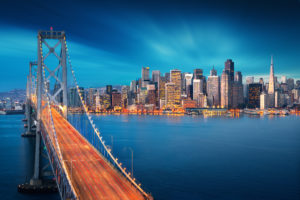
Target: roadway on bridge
(91, 175)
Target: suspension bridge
(82, 165)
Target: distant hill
(16, 95)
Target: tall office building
(263, 101)
(237, 91)
(271, 86)
(145, 76)
(238, 77)
(255, 90)
(188, 78)
(91, 93)
(170, 95)
(167, 77)
(97, 100)
(197, 88)
(283, 79)
(271, 89)
(213, 89)
(108, 89)
(249, 80)
(151, 94)
(161, 91)
(290, 84)
(124, 95)
(198, 73)
(116, 99)
(133, 86)
(155, 76)
(213, 72)
(176, 79)
(226, 90)
(229, 67)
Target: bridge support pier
(36, 174)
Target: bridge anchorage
(81, 164)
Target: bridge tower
(58, 93)
(28, 108)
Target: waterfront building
(202, 101)
(249, 79)
(108, 89)
(229, 68)
(97, 100)
(167, 77)
(213, 89)
(263, 101)
(255, 90)
(145, 76)
(151, 96)
(91, 93)
(188, 103)
(237, 91)
(196, 89)
(170, 98)
(296, 93)
(142, 95)
(226, 86)
(74, 98)
(133, 86)
(198, 73)
(283, 79)
(161, 90)
(290, 84)
(116, 99)
(271, 87)
(155, 76)
(124, 92)
(213, 72)
(188, 78)
(105, 101)
(176, 79)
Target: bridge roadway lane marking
(93, 164)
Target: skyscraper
(176, 79)
(229, 67)
(263, 101)
(255, 90)
(237, 91)
(108, 89)
(155, 76)
(271, 89)
(145, 76)
(161, 91)
(198, 73)
(188, 83)
(197, 89)
(213, 89)
(226, 90)
(170, 95)
(213, 72)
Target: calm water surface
(182, 157)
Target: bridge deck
(91, 176)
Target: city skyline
(106, 39)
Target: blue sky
(110, 42)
